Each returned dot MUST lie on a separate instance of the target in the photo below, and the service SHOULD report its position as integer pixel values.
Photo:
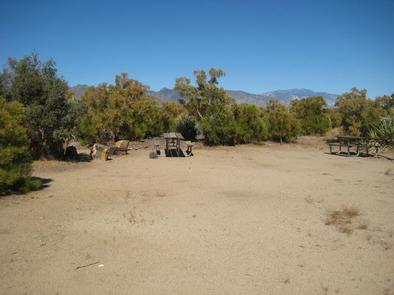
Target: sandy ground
(230, 220)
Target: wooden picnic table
(173, 142)
(347, 141)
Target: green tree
(210, 105)
(283, 126)
(50, 119)
(218, 125)
(123, 110)
(250, 125)
(275, 105)
(357, 112)
(15, 159)
(311, 112)
(198, 98)
(334, 117)
(385, 104)
(171, 113)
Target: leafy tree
(386, 104)
(357, 112)
(15, 159)
(275, 105)
(354, 92)
(171, 113)
(218, 125)
(334, 117)
(312, 115)
(50, 119)
(251, 126)
(283, 126)
(198, 98)
(123, 110)
(210, 105)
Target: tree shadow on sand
(44, 182)
(174, 153)
(80, 157)
(40, 183)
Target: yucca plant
(383, 133)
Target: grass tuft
(342, 219)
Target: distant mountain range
(166, 94)
(79, 90)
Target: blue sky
(262, 45)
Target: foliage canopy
(50, 117)
(15, 159)
(311, 112)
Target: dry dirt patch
(230, 220)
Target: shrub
(311, 114)
(170, 114)
(15, 159)
(124, 110)
(251, 126)
(218, 125)
(383, 133)
(187, 126)
(334, 118)
(385, 104)
(283, 126)
(357, 112)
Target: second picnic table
(348, 142)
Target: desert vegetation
(15, 159)
(342, 219)
(45, 115)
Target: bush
(311, 114)
(334, 118)
(357, 112)
(187, 126)
(15, 159)
(383, 133)
(218, 125)
(171, 113)
(124, 110)
(385, 104)
(251, 126)
(283, 126)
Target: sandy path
(243, 220)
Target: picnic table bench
(360, 142)
(156, 147)
(189, 150)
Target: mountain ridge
(284, 95)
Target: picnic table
(348, 142)
(173, 143)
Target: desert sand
(230, 220)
